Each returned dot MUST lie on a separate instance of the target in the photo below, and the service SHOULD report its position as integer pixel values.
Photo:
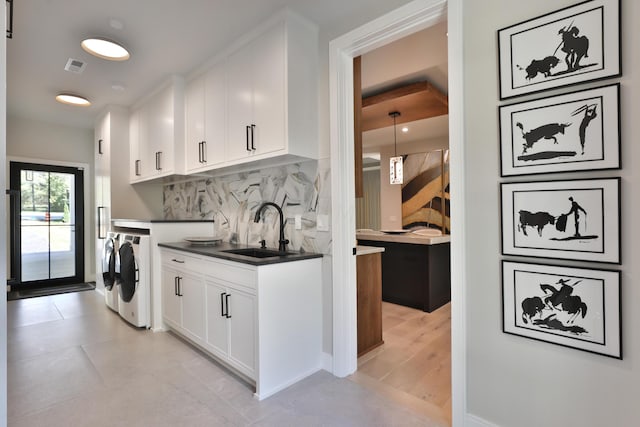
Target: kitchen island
(416, 269)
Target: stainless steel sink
(257, 252)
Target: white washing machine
(134, 293)
(109, 261)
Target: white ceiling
(418, 57)
(164, 36)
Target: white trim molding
(474, 421)
(412, 17)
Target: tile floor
(73, 362)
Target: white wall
(35, 140)
(513, 381)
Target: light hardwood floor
(413, 366)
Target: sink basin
(257, 252)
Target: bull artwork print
(575, 307)
(573, 219)
(572, 45)
(556, 308)
(539, 220)
(573, 131)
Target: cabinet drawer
(230, 272)
(181, 260)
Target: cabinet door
(160, 132)
(242, 329)
(191, 292)
(240, 67)
(171, 304)
(217, 335)
(139, 148)
(215, 116)
(268, 91)
(194, 125)
(101, 165)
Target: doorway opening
(412, 17)
(46, 226)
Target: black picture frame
(572, 307)
(571, 219)
(575, 131)
(586, 38)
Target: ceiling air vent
(75, 66)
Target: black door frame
(15, 168)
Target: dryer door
(128, 272)
(109, 264)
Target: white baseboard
(475, 421)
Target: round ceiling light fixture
(105, 49)
(70, 99)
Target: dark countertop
(216, 251)
(154, 221)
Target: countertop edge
(216, 251)
(403, 238)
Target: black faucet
(282, 247)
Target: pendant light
(395, 162)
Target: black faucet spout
(282, 242)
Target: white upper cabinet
(156, 132)
(256, 96)
(258, 101)
(205, 120)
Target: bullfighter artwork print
(564, 133)
(562, 219)
(561, 305)
(564, 47)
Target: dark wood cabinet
(415, 275)
(369, 277)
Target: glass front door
(47, 235)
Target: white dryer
(109, 261)
(134, 295)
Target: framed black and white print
(572, 307)
(576, 131)
(572, 45)
(573, 219)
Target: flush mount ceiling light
(70, 99)
(105, 49)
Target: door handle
(253, 148)
(226, 297)
(222, 304)
(204, 151)
(247, 137)
(100, 235)
(100, 147)
(180, 287)
(158, 160)
(175, 285)
(137, 167)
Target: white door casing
(397, 24)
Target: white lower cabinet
(183, 301)
(265, 322)
(231, 325)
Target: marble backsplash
(232, 201)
